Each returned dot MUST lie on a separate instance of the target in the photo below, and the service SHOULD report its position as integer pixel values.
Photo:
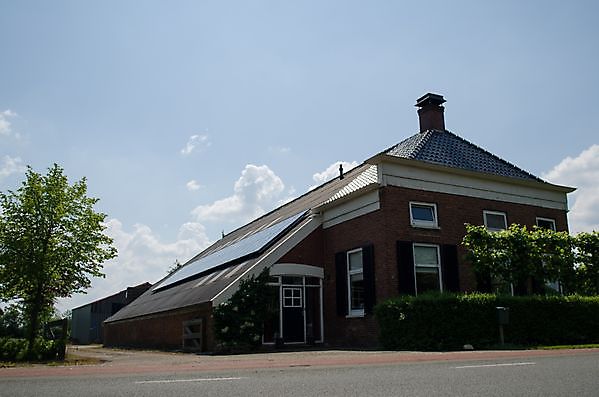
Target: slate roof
(448, 149)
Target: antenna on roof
(222, 234)
(340, 171)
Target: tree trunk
(33, 327)
(34, 320)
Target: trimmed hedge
(15, 349)
(449, 321)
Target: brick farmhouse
(392, 225)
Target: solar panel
(244, 247)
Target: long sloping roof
(448, 149)
(203, 286)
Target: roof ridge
(425, 138)
(494, 156)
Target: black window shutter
(449, 268)
(405, 267)
(341, 282)
(369, 286)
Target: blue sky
(190, 118)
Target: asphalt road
(560, 375)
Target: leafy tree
(521, 257)
(11, 322)
(51, 243)
(587, 258)
(556, 250)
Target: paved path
(115, 361)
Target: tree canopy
(51, 243)
(528, 259)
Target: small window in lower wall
(355, 282)
(427, 269)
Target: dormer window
(423, 215)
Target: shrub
(449, 321)
(14, 349)
(238, 322)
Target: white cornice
(385, 158)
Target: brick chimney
(430, 112)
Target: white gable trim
(434, 180)
(360, 205)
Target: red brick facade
(161, 330)
(383, 228)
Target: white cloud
(331, 172)
(195, 142)
(581, 172)
(257, 190)
(5, 125)
(142, 257)
(193, 185)
(11, 165)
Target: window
(355, 282)
(546, 223)
(427, 269)
(423, 215)
(495, 220)
(292, 297)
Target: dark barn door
(293, 314)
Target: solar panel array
(244, 247)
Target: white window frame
(354, 312)
(546, 220)
(296, 301)
(438, 266)
(434, 224)
(503, 214)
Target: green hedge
(14, 349)
(449, 321)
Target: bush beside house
(449, 321)
(238, 322)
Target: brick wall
(383, 228)
(308, 252)
(161, 331)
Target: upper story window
(546, 223)
(495, 220)
(423, 214)
(427, 268)
(355, 282)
